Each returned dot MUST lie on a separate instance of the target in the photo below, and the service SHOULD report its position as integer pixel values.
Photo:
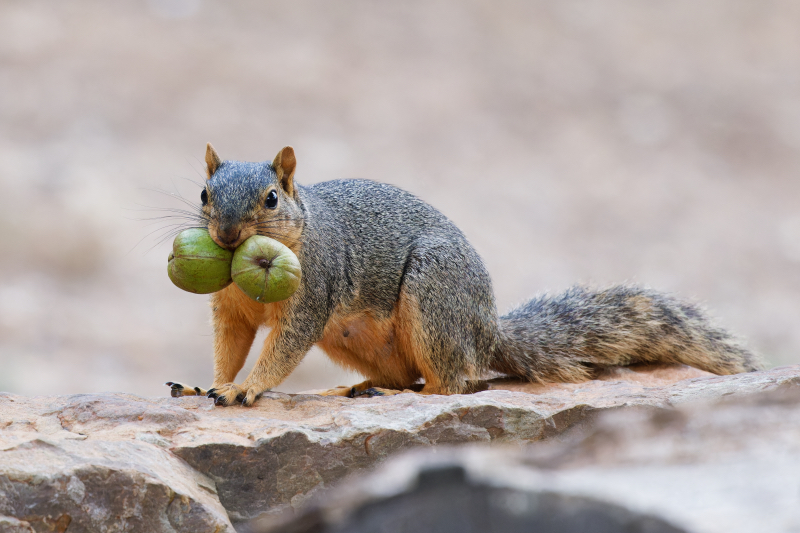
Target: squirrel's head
(245, 199)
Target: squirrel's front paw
(231, 393)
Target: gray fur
(364, 244)
(232, 187)
(564, 338)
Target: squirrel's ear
(284, 164)
(212, 160)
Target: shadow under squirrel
(392, 289)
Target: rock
(12, 525)
(446, 498)
(61, 467)
(730, 466)
(164, 464)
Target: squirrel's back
(379, 215)
(374, 229)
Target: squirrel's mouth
(229, 239)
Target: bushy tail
(567, 337)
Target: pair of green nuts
(263, 268)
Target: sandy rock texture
(119, 462)
(727, 466)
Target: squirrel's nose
(229, 237)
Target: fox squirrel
(393, 290)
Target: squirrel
(392, 289)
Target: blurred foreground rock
(118, 462)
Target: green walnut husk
(265, 270)
(197, 264)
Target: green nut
(265, 270)
(197, 264)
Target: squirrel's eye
(272, 200)
(204, 197)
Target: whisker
(168, 217)
(175, 195)
(178, 215)
(194, 215)
(170, 235)
(170, 229)
(195, 208)
(199, 173)
(183, 221)
(170, 220)
(175, 212)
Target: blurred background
(574, 141)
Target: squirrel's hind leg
(179, 389)
(445, 316)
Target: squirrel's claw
(369, 393)
(230, 394)
(376, 391)
(175, 389)
(179, 389)
(362, 390)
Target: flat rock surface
(181, 462)
(727, 466)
